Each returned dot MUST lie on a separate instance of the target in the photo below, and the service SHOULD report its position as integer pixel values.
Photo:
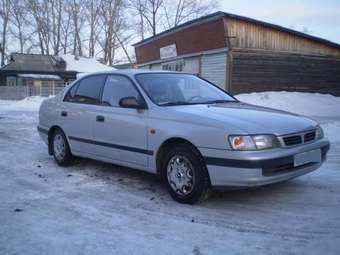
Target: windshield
(180, 89)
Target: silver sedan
(191, 133)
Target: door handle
(64, 113)
(100, 118)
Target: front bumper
(256, 168)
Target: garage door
(213, 68)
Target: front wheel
(185, 174)
(61, 149)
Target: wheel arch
(166, 145)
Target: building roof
(33, 62)
(37, 63)
(218, 15)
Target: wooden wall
(193, 39)
(256, 70)
(249, 35)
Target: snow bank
(309, 104)
(331, 130)
(84, 65)
(27, 104)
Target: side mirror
(131, 102)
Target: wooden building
(36, 70)
(244, 55)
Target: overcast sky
(320, 17)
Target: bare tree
(112, 20)
(19, 22)
(4, 14)
(77, 20)
(40, 13)
(56, 7)
(103, 28)
(93, 18)
(124, 42)
(151, 13)
(65, 28)
(176, 12)
(168, 13)
(148, 12)
(140, 7)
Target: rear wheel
(185, 174)
(61, 149)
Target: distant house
(46, 70)
(35, 70)
(35, 74)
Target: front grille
(298, 138)
(292, 140)
(309, 137)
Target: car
(190, 132)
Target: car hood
(248, 118)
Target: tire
(61, 149)
(184, 170)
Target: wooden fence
(20, 92)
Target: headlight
(242, 142)
(254, 142)
(318, 133)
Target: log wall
(256, 70)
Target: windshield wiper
(220, 101)
(175, 103)
(192, 103)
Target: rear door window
(87, 91)
(70, 95)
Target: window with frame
(87, 90)
(174, 66)
(117, 87)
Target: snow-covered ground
(28, 104)
(96, 208)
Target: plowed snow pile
(309, 104)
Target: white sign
(168, 51)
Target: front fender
(199, 135)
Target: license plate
(313, 156)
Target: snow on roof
(84, 65)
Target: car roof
(132, 72)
